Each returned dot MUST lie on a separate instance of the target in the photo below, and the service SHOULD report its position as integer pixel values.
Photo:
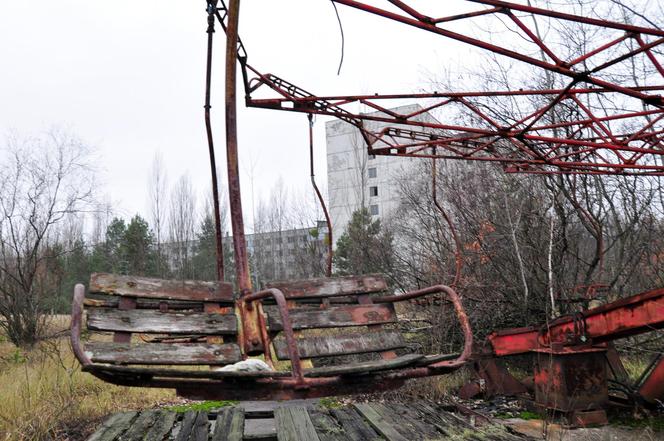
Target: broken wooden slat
(187, 425)
(163, 353)
(363, 368)
(355, 427)
(145, 287)
(294, 424)
(162, 426)
(140, 426)
(157, 322)
(410, 423)
(199, 432)
(326, 427)
(229, 425)
(444, 421)
(334, 317)
(330, 287)
(113, 427)
(312, 347)
(379, 422)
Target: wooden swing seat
(176, 334)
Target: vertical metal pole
(237, 222)
(251, 337)
(328, 269)
(208, 127)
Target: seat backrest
(185, 322)
(336, 316)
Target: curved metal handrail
(75, 327)
(460, 313)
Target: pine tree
(363, 248)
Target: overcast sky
(128, 78)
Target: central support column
(251, 336)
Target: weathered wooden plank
(146, 287)
(365, 367)
(163, 353)
(330, 287)
(187, 425)
(260, 429)
(113, 427)
(334, 317)
(294, 424)
(229, 425)
(199, 432)
(445, 422)
(110, 301)
(379, 422)
(354, 426)
(157, 322)
(140, 426)
(312, 347)
(410, 424)
(162, 426)
(327, 427)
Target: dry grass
(45, 396)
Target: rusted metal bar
(211, 8)
(76, 323)
(251, 336)
(328, 269)
(293, 351)
(232, 159)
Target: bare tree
(157, 188)
(182, 226)
(43, 181)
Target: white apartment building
(288, 254)
(355, 179)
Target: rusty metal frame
(586, 144)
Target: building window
(373, 191)
(372, 172)
(373, 209)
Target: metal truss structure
(597, 115)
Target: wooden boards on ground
(302, 422)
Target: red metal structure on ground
(572, 354)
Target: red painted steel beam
(622, 318)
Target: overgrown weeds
(45, 396)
